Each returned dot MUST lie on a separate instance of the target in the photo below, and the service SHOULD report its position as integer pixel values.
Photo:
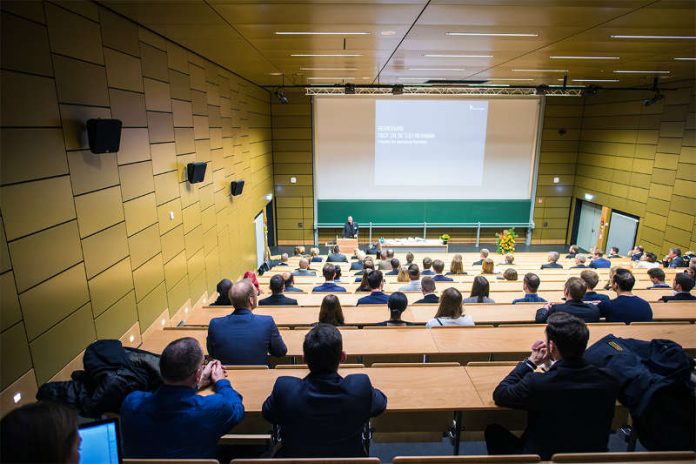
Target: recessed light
(589, 197)
(445, 55)
(275, 74)
(556, 180)
(328, 69)
(131, 338)
(334, 78)
(17, 397)
(321, 33)
(656, 37)
(163, 321)
(542, 70)
(186, 309)
(387, 33)
(269, 197)
(640, 71)
(558, 57)
(527, 79)
(594, 80)
(685, 58)
(323, 55)
(493, 34)
(437, 69)
(293, 180)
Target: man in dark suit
(336, 256)
(569, 407)
(289, 282)
(572, 251)
(303, 270)
(574, 292)
(329, 286)
(396, 265)
(242, 337)
(598, 260)
(580, 260)
(682, 285)
(350, 228)
(277, 285)
(377, 295)
(439, 268)
(626, 307)
(358, 264)
(428, 289)
(552, 261)
(483, 254)
(323, 415)
(657, 278)
(674, 259)
(614, 253)
(591, 279)
(427, 264)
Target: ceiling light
(640, 71)
(269, 197)
(594, 80)
(584, 57)
(293, 180)
(658, 37)
(328, 69)
(542, 70)
(556, 180)
(456, 56)
(324, 55)
(275, 74)
(17, 397)
(685, 58)
(387, 33)
(437, 69)
(508, 78)
(493, 34)
(589, 197)
(322, 33)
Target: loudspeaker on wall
(195, 172)
(236, 187)
(104, 135)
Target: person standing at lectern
(350, 228)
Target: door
(260, 233)
(622, 232)
(588, 228)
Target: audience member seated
(572, 251)
(299, 251)
(390, 253)
(397, 304)
(373, 249)
(569, 407)
(574, 292)
(337, 273)
(174, 422)
(243, 337)
(396, 266)
(598, 260)
(377, 296)
(530, 285)
(384, 263)
(610, 280)
(251, 277)
(439, 268)
(636, 253)
(580, 261)
(483, 254)
(331, 312)
(323, 414)
(591, 279)
(626, 307)
(283, 260)
(314, 255)
(657, 277)
(329, 272)
(403, 277)
(509, 274)
(414, 284)
(427, 263)
(223, 291)
(674, 259)
(428, 289)
(450, 311)
(682, 285)
(303, 270)
(614, 253)
(488, 266)
(368, 265)
(647, 261)
(552, 261)
(409, 258)
(277, 285)
(508, 260)
(364, 285)
(456, 266)
(336, 256)
(691, 270)
(289, 281)
(40, 432)
(358, 265)
(480, 289)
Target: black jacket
(681, 296)
(336, 258)
(111, 373)
(356, 266)
(569, 408)
(277, 300)
(585, 311)
(430, 298)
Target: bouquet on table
(505, 241)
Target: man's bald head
(304, 263)
(243, 295)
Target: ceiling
(241, 35)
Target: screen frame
(117, 427)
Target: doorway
(622, 232)
(588, 225)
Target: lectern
(347, 245)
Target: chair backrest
(171, 461)
(510, 458)
(308, 461)
(638, 456)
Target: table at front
(420, 246)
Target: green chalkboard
(441, 212)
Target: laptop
(101, 443)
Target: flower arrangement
(505, 241)
(445, 238)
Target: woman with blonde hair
(487, 266)
(403, 275)
(331, 311)
(450, 311)
(456, 266)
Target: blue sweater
(529, 298)
(626, 309)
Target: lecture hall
(347, 231)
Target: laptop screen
(100, 442)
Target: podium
(347, 245)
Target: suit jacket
(441, 278)
(569, 408)
(681, 296)
(429, 298)
(594, 296)
(636, 256)
(323, 415)
(427, 272)
(677, 261)
(356, 266)
(277, 300)
(626, 309)
(350, 230)
(551, 266)
(392, 272)
(244, 338)
(664, 285)
(600, 263)
(336, 258)
(579, 266)
(316, 259)
(293, 289)
(477, 263)
(384, 265)
(303, 272)
(328, 287)
(374, 298)
(585, 311)
(614, 256)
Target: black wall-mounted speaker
(104, 135)
(195, 172)
(236, 187)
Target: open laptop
(101, 442)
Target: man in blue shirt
(427, 263)
(636, 253)
(439, 268)
(591, 278)
(626, 307)
(598, 261)
(530, 285)
(329, 286)
(174, 422)
(657, 277)
(674, 259)
(377, 296)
